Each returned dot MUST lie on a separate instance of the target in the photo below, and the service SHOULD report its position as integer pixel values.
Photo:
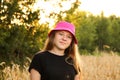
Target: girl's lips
(62, 42)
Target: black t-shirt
(52, 67)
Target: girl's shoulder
(41, 53)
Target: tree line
(21, 34)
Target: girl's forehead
(64, 31)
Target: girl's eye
(61, 34)
(67, 36)
(70, 37)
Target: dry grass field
(106, 67)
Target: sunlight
(109, 7)
(51, 6)
(93, 6)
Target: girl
(59, 59)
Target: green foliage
(87, 34)
(21, 10)
(101, 29)
(114, 32)
(20, 33)
(22, 41)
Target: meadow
(103, 67)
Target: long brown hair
(71, 51)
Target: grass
(14, 72)
(104, 67)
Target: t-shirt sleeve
(35, 63)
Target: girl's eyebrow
(68, 33)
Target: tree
(86, 31)
(17, 12)
(101, 29)
(18, 29)
(114, 32)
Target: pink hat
(63, 25)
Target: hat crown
(66, 26)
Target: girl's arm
(77, 77)
(34, 75)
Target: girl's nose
(64, 37)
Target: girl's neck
(57, 52)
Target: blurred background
(24, 25)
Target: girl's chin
(62, 48)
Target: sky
(109, 7)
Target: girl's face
(62, 40)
